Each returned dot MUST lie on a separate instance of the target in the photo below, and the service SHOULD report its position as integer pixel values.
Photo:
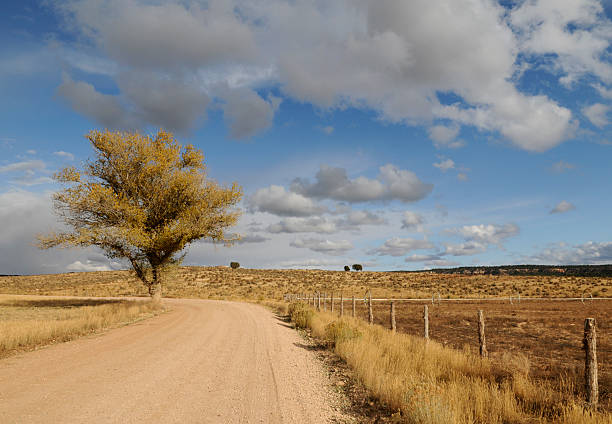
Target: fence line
(465, 299)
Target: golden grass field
(225, 283)
(535, 368)
(425, 382)
(28, 322)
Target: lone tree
(347, 268)
(357, 267)
(234, 265)
(143, 198)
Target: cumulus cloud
(105, 109)
(323, 245)
(170, 36)
(445, 165)
(563, 206)
(486, 234)
(24, 215)
(413, 221)
(66, 155)
(357, 218)
(444, 136)
(168, 103)
(303, 225)
(392, 183)
(396, 58)
(574, 36)
(246, 112)
(252, 238)
(597, 113)
(465, 249)
(401, 246)
(441, 263)
(591, 253)
(276, 200)
(88, 265)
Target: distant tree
(143, 198)
(234, 265)
(347, 268)
(357, 267)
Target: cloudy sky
(396, 134)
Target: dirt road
(202, 362)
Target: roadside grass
(430, 384)
(28, 322)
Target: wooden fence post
(392, 316)
(426, 322)
(332, 302)
(353, 306)
(319, 301)
(341, 304)
(590, 364)
(370, 313)
(481, 335)
(324, 301)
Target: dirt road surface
(202, 362)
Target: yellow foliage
(144, 198)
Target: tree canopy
(143, 198)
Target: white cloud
(486, 234)
(588, 253)
(413, 221)
(465, 249)
(444, 136)
(573, 34)
(441, 263)
(462, 176)
(391, 183)
(246, 113)
(323, 245)
(31, 152)
(445, 165)
(276, 200)
(79, 266)
(311, 263)
(28, 165)
(303, 225)
(62, 154)
(422, 258)
(562, 207)
(401, 246)
(252, 238)
(357, 218)
(391, 57)
(597, 113)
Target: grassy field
(224, 283)
(540, 340)
(428, 383)
(28, 322)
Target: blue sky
(400, 135)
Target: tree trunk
(155, 288)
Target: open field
(27, 322)
(429, 383)
(225, 283)
(543, 338)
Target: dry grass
(430, 383)
(29, 322)
(225, 283)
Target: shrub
(347, 268)
(357, 267)
(300, 314)
(340, 331)
(234, 265)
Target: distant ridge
(546, 270)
